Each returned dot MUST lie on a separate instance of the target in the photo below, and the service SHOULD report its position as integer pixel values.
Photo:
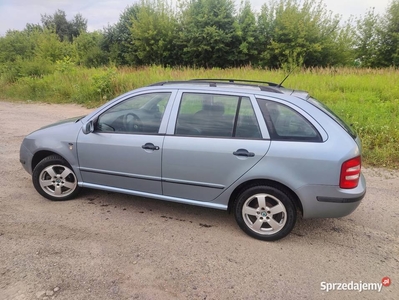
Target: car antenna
(281, 83)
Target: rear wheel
(54, 179)
(265, 212)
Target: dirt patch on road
(110, 246)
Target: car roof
(260, 86)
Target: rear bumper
(319, 201)
(339, 200)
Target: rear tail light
(350, 173)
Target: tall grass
(366, 98)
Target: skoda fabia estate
(257, 149)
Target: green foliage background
(211, 33)
(350, 66)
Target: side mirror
(88, 127)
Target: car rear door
(212, 140)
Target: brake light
(350, 173)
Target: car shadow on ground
(205, 217)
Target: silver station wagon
(257, 149)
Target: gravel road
(110, 246)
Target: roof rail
(161, 83)
(271, 87)
(236, 80)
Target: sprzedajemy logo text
(350, 286)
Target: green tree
(367, 39)
(30, 27)
(66, 30)
(17, 44)
(88, 49)
(247, 35)
(341, 51)
(388, 53)
(77, 25)
(118, 39)
(207, 33)
(51, 49)
(297, 33)
(265, 28)
(29, 53)
(154, 32)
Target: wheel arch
(40, 155)
(239, 189)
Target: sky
(14, 14)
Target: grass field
(366, 98)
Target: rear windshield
(332, 115)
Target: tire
(54, 179)
(265, 212)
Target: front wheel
(265, 212)
(54, 179)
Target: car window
(139, 114)
(324, 108)
(214, 115)
(247, 125)
(284, 123)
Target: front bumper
(25, 158)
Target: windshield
(332, 115)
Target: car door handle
(243, 152)
(150, 146)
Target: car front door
(212, 140)
(124, 150)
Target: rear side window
(285, 123)
(332, 115)
(212, 115)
